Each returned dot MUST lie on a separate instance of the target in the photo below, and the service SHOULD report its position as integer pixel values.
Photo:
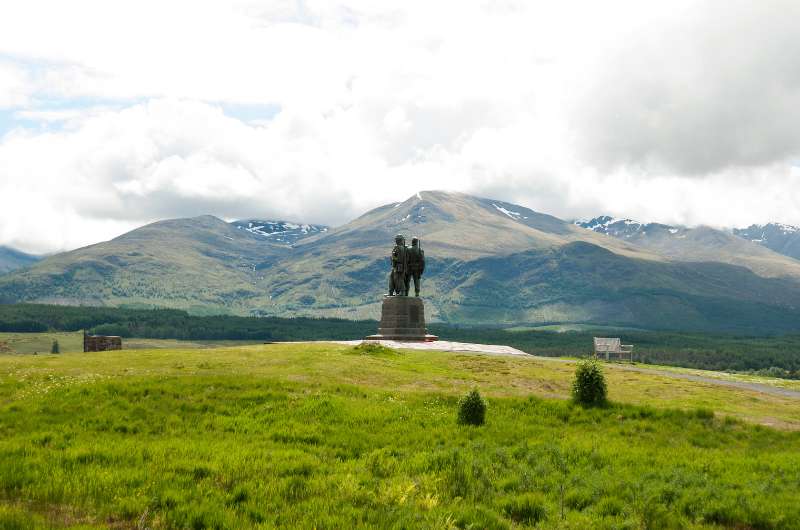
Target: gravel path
(757, 387)
(444, 345)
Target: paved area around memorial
(444, 345)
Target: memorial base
(402, 319)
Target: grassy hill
(199, 263)
(325, 436)
(489, 262)
(12, 259)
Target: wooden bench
(612, 346)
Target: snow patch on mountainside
(513, 215)
(627, 228)
(760, 233)
(786, 229)
(280, 231)
(780, 237)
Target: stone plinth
(402, 319)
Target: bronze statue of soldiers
(397, 278)
(416, 265)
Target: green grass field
(324, 436)
(71, 342)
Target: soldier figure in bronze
(416, 265)
(397, 278)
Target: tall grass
(206, 450)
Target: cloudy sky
(114, 114)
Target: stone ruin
(101, 342)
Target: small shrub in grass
(527, 509)
(373, 348)
(472, 409)
(55, 348)
(589, 386)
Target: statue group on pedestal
(408, 263)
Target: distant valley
(489, 263)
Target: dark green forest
(775, 355)
(175, 324)
(772, 355)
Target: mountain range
(764, 254)
(783, 239)
(489, 263)
(779, 237)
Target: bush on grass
(589, 386)
(373, 348)
(472, 409)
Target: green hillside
(201, 263)
(489, 262)
(582, 282)
(327, 436)
(12, 259)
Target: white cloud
(663, 111)
(716, 87)
(15, 87)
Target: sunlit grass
(327, 436)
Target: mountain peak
(780, 237)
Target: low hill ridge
(12, 259)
